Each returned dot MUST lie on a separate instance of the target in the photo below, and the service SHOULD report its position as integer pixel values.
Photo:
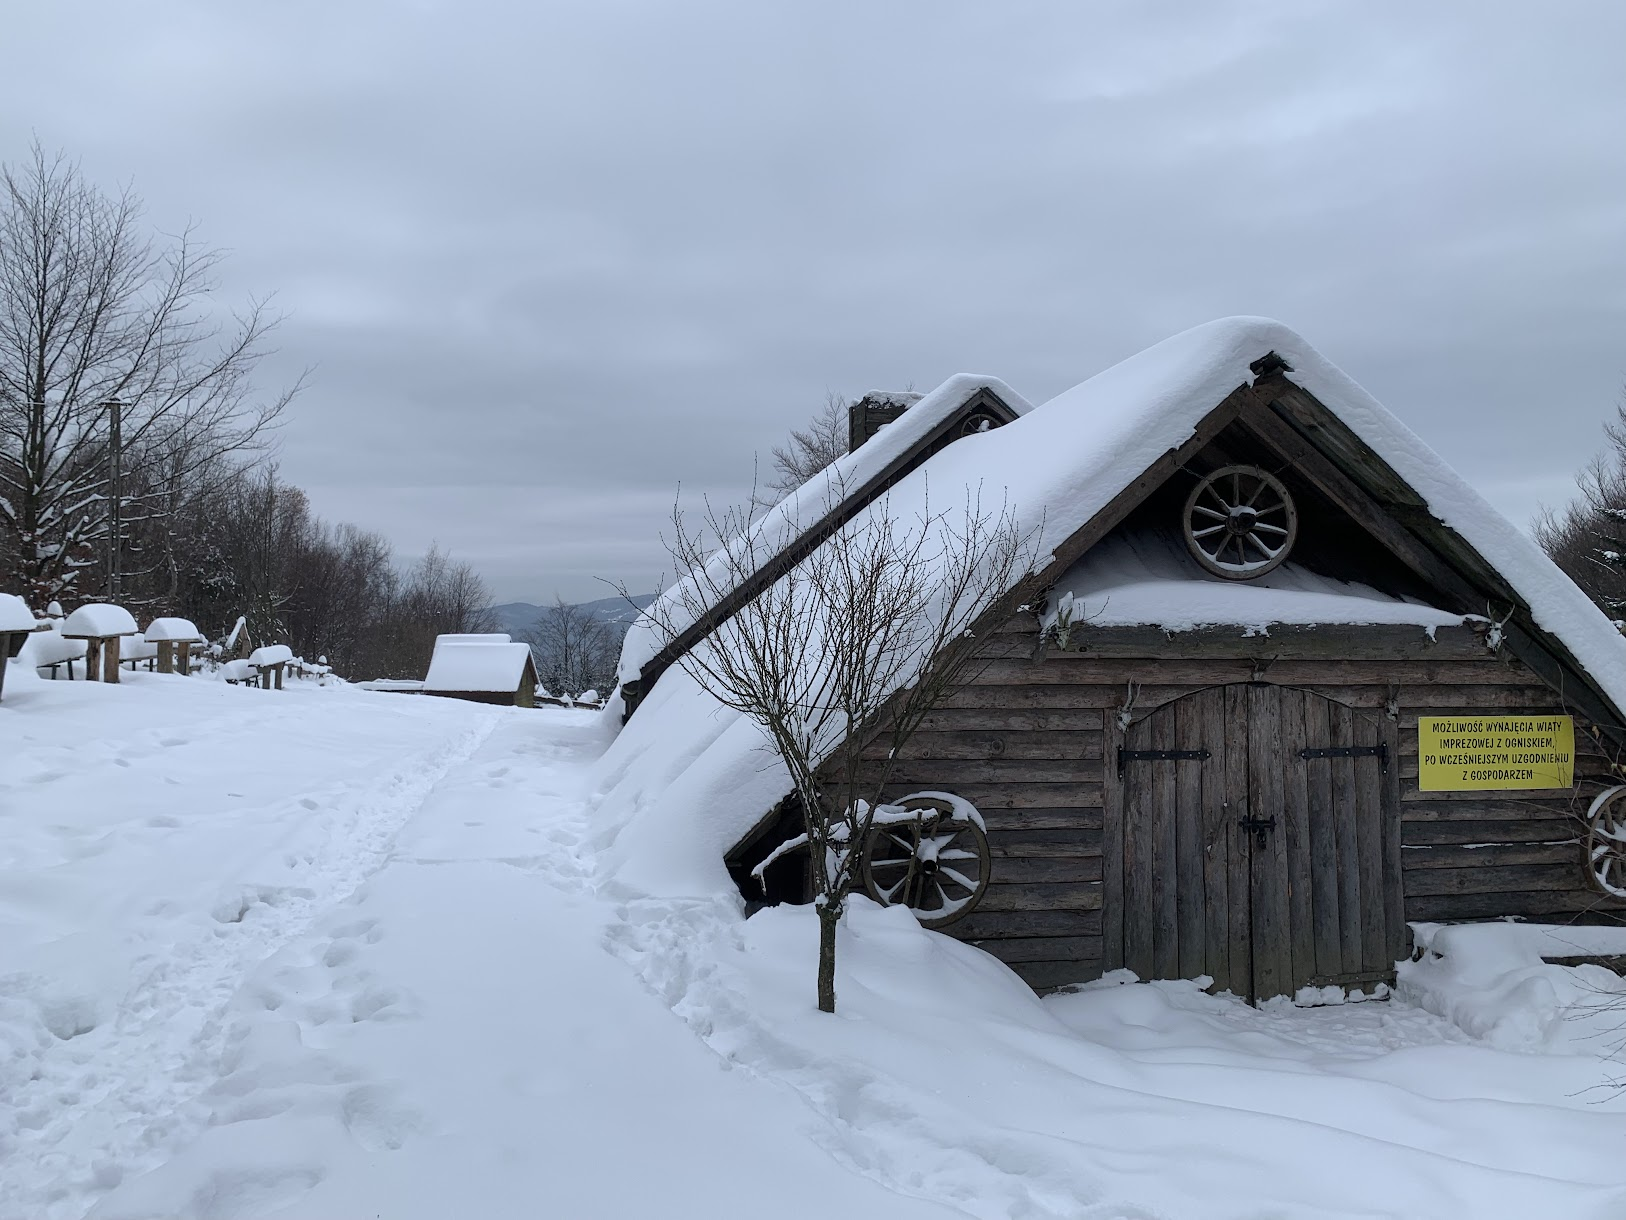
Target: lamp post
(115, 512)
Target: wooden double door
(1260, 843)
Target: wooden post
(166, 656)
(5, 654)
(185, 658)
(93, 656)
(110, 660)
(279, 670)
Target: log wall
(1030, 738)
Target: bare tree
(810, 449)
(574, 651)
(1589, 539)
(95, 312)
(858, 641)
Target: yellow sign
(1469, 753)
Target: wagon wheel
(1240, 522)
(937, 864)
(1606, 842)
(980, 422)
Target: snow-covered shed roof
(475, 665)
(807, 513)
(99, 619)
(174, 630)
(15, 614)
(686, 778)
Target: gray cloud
(549, 260)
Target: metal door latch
(1258, 826)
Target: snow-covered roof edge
(809, 504)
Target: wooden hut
(482, 669)
(1282, 686)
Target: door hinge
(1379, 752)
(1159, 756)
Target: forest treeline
(134, 456)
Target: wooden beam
(1283, 641)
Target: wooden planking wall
(1028, 741)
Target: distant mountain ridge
(517, 618)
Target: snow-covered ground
(333, 953)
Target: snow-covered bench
(174, 638)
(101, 625)
(269, 662)
(17, 623)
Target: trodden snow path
(476, 1018)
(206, 833)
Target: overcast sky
(546, 261)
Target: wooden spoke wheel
(979, 422)
(1606, 842)
(936, 864)
(1240, 522)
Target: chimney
(873, 412)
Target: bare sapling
(850, 646)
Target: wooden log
(1044, 949)
(981, 744)
(185, 657)
(1011, 795)
(1237, 805)
(1491, 855)
(166, 656)
(953, 774)
(1112, 848)
(110, 659)
(1087, 671)
(1458, 833)
(1193, 728)
(1499, 807)
(1007, 720)
(1080, 897)
(1299, 729)
(93, 661)
(1049, 976)
(1548, 906)
(1482, 879)
(1345, 812)
(1042, 844)
(1067, 818)
(984, 925)
(1284, 642)
(1164, 877)
(1033, 870)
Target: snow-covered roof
(481, 637)
(687, 778)
(803, 508)
(466, 665)
(15, 614)
(175, 630)
(271, 654)
(99, 619)
(1151, 579)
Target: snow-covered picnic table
(17, 623)
(101, 625)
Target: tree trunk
(829, 919)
